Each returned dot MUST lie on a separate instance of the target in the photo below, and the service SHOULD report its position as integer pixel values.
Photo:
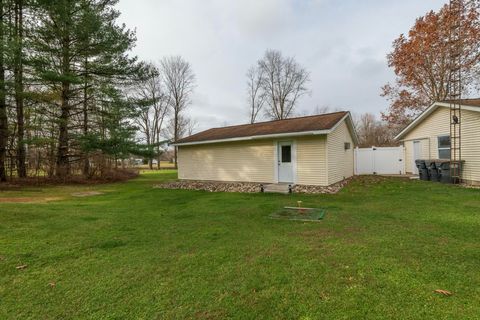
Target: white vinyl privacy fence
(379, 160)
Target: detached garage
(428, 137)
(314, 150)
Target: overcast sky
(343, 44)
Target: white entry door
(285, 162)
(417, 153)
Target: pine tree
(18, 86)
(79, 46)
(3, 104)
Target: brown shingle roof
(468, 102)
(292, 125)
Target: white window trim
(275, 162)
(443, 148)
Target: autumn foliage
(421, 62)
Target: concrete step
(276, 188)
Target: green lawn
(136, 252)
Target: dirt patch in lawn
(87, 194)
(29, 200)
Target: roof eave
(260, 137)
(426, 113)
(353, 130)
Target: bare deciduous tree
(372, 132)
(154, 107)
(180, 82)
(256, 97)
(186, 127)
(282, 82)
(320, 110)
(190, 126)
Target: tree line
(75, 101)
(276, 83)
(419, 58)
(73, 97)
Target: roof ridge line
(269, 121)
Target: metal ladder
(455, 91)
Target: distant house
(428, 137)
(312, 150)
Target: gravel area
(212, 186)
(334, 188)
(246, 187)
(470, 186)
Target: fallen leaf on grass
(23, 266)
(444, 292)
(323, 296)
(52, 284)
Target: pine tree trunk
(62, 152)
(86, 161)
(3, 106)
(19, 99)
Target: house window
(444, 147)
(286, 154)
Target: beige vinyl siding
(427, 132)
(408, 146)
(312, 161)
(471, 145)
(250, 161)
(340, 161)
(438, 124)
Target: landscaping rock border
(333, 189)
(469, 186)
(246, 187)
(212, 186)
